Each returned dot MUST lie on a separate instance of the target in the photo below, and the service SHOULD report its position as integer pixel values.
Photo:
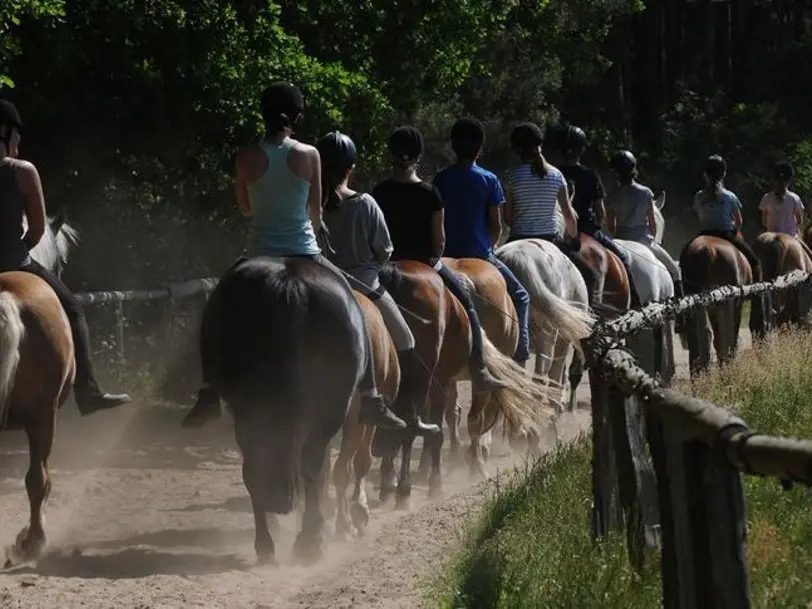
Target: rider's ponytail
(526, 141)
(337, 153)
(715, 170)
(538, 164)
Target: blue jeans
(521, 300)
(609, 243)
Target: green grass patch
(531, 546)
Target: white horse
(559, 314)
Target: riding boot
(375, 412)
(86, 392)
(206, 409)
(408, 400)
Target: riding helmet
(715, 167)
(623, 161)
(573, 139)
(526, 137)
(280, 103)
(468, 129)
(783, 171)
(337, 151)
(9, 116)
(406, 143)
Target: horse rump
(12, 331)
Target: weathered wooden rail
(687, 497)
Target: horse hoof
(402, 503)
(306, 552)
(386, 495)
(267, 560)
(435, 489)
(360, 517)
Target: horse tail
(12, 331)
(573, 323)
(526, 398)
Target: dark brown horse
(285, 342)
(780, 254)
(356, 439)
(443, 336)
(706, 263)
(36, 375)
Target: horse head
(659, 219)
(54, 247)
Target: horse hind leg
(362, 462)
(308, 546)
(31, 540)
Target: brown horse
(780, 254)
(356, 439)
(443, 336)
(710, 262)
(36, 375)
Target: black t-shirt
(588, 190)
(408, 208)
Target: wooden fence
(686, 495)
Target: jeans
(392, 318)
(85, 375)
(609, 243)
(521, 300)
(455, 286)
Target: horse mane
(390, 276)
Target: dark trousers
(741, 245)
(570, 251)
(85, 375)
(606, 241)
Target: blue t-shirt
(716, 211)
(468, 191)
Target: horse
(710, 262)
(780, 254)
(356, 439)
(37, 370)
(270, 325)
(559, 315)
(443, 337)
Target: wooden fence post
(604, 481)
(120, 324)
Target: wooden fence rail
(689, 492)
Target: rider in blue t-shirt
(473, 198)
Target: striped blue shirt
(534, 200)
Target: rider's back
(715, 210)
(534, 200)
(13, 251)
(280, 222)
(630, 204)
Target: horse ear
(660, 200)
(58, 220)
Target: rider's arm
(599, 205)
(651, 217)
(564, 201)
(764, 211)
(438, 225)
(380, 241)
(507, 213)
(496, 201)
(798, 210)
(241, 181)
(611, 221)
(28, 181)
(737, 212)
(304, 161)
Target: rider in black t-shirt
(413, 210)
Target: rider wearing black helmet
(589, 194)
(360, 244)
(278, 184)
(21, 197)
(719, 211)
(630, 213)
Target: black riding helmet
(715, 167)
(280, 104)
(623, 162)
(526, 137)
(337, 152)
(9, 116)
(406, 144)
(783, 171)
(573, 139)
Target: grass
(531, 546)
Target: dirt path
(145, 515)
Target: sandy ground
(146, 515)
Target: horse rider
(589, 195)
(413, 210)
(720, 212)
(630, 214)
(360, 243)
(473, 200)
(534, 189)
(278, 186)
(21, 197)
(782, 210)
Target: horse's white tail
(11, 335)
(528, 398)
(572, 322)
